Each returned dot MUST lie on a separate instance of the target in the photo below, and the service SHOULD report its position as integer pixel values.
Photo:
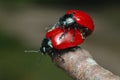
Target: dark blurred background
(22, 27)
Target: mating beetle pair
(70, 31)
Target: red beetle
(67, 40)
(53, 42)
(77, 19)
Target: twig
(80, 65)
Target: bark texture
(80, 65)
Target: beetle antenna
(32, 51)
(35, 51)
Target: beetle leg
(63, 34)
(51, 55)
(74, 33)
(82, 33)
(59, 55)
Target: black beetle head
(46, 46)
(67, 20)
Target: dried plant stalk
(80, 65)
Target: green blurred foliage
(15, 64)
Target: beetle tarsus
(62, 60)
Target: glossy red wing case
(67, 40)
(82, 18)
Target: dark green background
(22, 27)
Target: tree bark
(80, 65)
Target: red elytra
(67, 40)
(82, 18)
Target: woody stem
(80, 65)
